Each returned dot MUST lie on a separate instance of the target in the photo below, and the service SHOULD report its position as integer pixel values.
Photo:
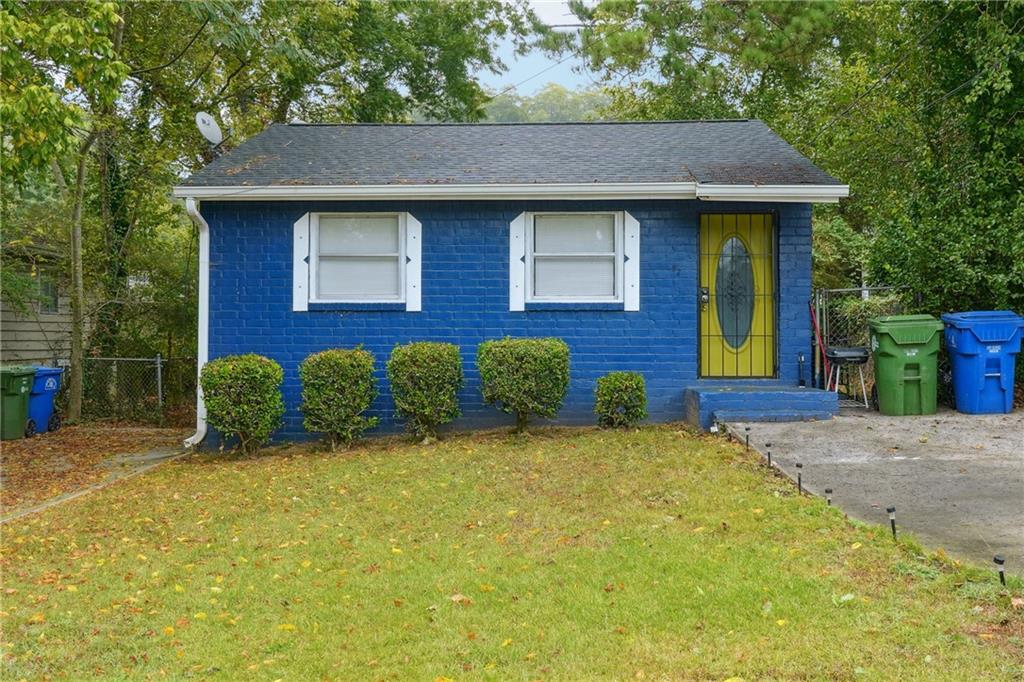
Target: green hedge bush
(242, 394)
(621, 399)
(337, 388)
(524, 376)
(425, 381)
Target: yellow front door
(737, 295)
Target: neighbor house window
(358, 258)
(574, 257)
(49, 301)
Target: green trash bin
(906, 351)
(15, 385)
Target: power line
(881, 129)
(425, 128)
(879, 81)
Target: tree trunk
(75, 381)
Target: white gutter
(821, 194)
(203, 342)
(594, 190)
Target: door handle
(705, 298)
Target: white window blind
(576, 257)
(359, 258)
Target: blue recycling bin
(982, 348)
(41, 415)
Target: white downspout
(203, 341)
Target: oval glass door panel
(734, 292)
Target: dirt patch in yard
(36, 469)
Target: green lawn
(565, 554)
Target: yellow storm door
(737, 295)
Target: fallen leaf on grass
(461, 599)
(70, 459)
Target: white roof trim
(615, 190)
(825, 194)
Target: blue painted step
(707, 402)
(770, 415)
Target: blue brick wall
(465, 298)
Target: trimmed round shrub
(242, 394)
(425, 381)
(524, 376)
(621, 399)
(337, 388)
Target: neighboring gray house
(42, 334)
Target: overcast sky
(571, 73)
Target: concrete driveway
(956, 480)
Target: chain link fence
(841, 317)
(146, 390)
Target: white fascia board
(621, 190)
(818, 194)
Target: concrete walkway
(120, 467)
(956, 480)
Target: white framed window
(357, 258)
(574, 257)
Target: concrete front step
(707, 403)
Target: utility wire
(882, 79)
(423, 128)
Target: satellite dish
(209, 128)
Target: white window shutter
(300, 264)
(413, 263)
(631, 264)
(517, 263)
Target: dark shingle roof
(739, 152)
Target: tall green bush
(242, 394)
(425, 381)
(337, 388)
(620, 399)
(524, 376)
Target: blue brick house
(681, 250)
